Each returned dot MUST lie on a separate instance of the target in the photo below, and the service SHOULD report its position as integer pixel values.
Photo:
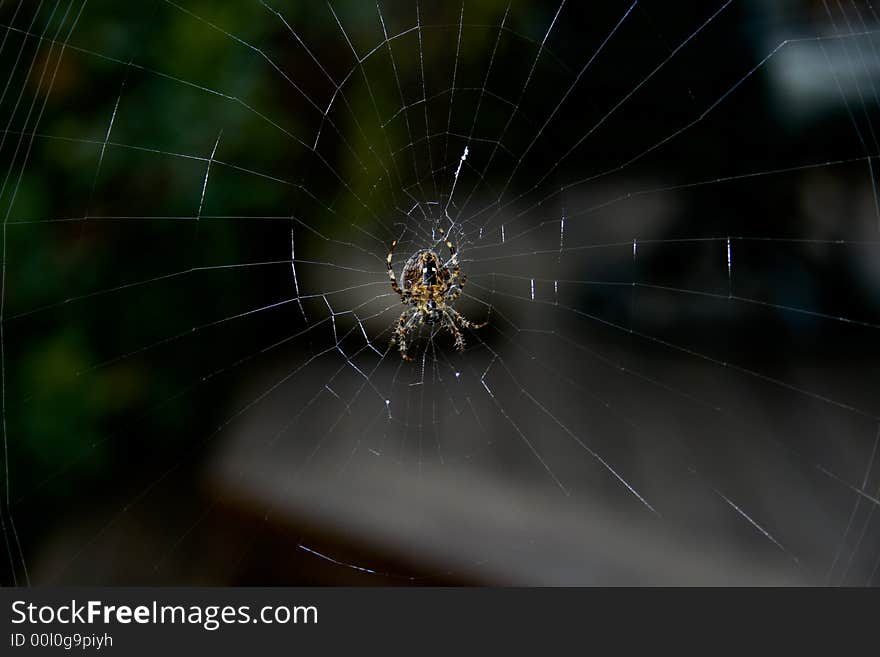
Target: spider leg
(394, 285)
(455, 290)
(458, 318)
(453, 258)
(401, 331)
(449, 323)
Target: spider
(428, 288)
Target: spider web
(668, 216)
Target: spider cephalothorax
(428, 287)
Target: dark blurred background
(668, 213)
